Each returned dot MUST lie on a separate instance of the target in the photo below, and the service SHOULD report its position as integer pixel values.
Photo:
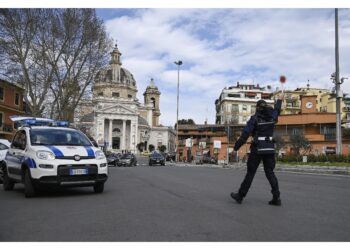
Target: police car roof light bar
(37, 121)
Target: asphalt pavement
(178, 203)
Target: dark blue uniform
(260, 127)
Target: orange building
(203, 137)
(11, 103)
(318, 127)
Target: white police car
(53, 155)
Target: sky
(220, 47)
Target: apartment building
(237, 103)
(325, 101)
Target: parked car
(209, 159)
(113, 159)
(156, 158)
(127, 159)
(4, 146)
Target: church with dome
(116, 119)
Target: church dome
(106, 75)
(114, 73)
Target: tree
(185, 121)
(151, 147)
(54, 54)
(162, 148)
(299, 144)
(279, 142)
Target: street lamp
(338, 92)
(178, 63)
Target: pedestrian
(260, 126)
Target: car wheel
(115, 164)
(99, 187)
(8, 184)
(29, 188)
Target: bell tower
(152, 96)
(116, 64)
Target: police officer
(260, 127)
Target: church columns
(110, 133)
(133, 137)
(123, 139)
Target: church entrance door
(115, 142)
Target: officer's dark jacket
(266, 114)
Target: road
(181, 204)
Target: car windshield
(126, 156)
(156, 155)
(58, 137)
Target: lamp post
(178, 63)
(338, 92)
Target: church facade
(118, 121)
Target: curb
(334, 170)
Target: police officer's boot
(276, 201)
(237, 197)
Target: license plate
(78, 171)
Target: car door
(15, 155)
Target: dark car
(113, 159)
(127, 160)
(209, 159)
(156, 158)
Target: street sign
(189, 143)
(202, 144)
(217, 144)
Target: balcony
(329, 137)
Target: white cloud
(222, 46)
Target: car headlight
(100, 155)
(45, 155)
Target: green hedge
(315, 158)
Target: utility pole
(338, 92)
(178, 63)
(228, 143)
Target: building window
(244, 108)
(17, 99)
(1, 119)
(100, 94)
(129, 96)
(234, 108)
(244, 118)
(115, 94)
(1, 94)
(295, 131)
(252, 109)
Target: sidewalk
(335, 170)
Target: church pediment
(117, 109)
